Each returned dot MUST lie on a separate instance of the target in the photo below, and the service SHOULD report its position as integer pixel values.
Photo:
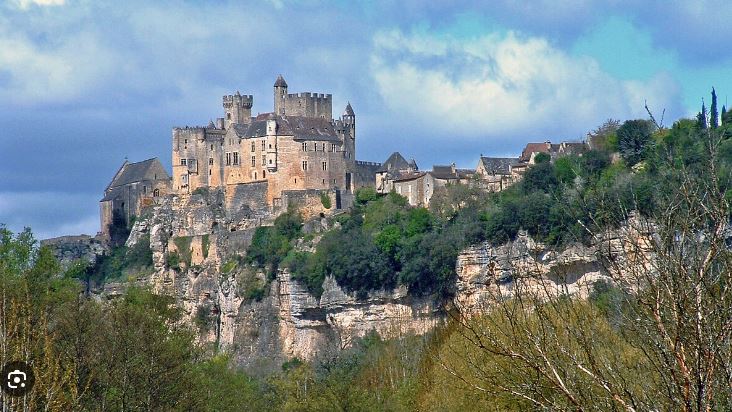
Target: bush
(325, 200)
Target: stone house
(392, 169)
(554, 150)
(419, 187)
(298, 146)
(496, 173)
(134, 187)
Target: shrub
(325, 200)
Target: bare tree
(663, 344)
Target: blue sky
(84, 84)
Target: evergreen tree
(714, 121)
(701, 117)
(724, 114)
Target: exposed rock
(69, 249)
(285, 321)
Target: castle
(296, 154)
(298, 146)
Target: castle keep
(298, 147)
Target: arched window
(156, 193)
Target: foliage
(542, 157)
(205, 245)
(271, 244)
(325, 200)
(634, 137)
(183, 247)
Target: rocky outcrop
(70, 249)
(213, 285)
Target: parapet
(241, 100)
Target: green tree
(713, 114)
(634, 137)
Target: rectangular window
(264, 144)
(304, 146)
(252, 146)
(325, 165)
(333, 147)
(210, 160)
(323, 146)
(236, 158)
(254, 161)
(183, 162)
(305, 165)
(228, 159)
(264, 160)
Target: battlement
(242, 100)
(310, 95)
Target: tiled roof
(150, 169)
(301, 127)
(498, 165)
(395, 162)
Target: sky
(85, 84)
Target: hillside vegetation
(653, 339)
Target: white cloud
(503, 84)
(25, 4)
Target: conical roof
(280, 82)
(349, 110)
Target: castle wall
(309, 105)
(202, 150)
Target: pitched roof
(395, 162)
(301, 127)
(409, 176)
(530, 148)
(150, 169)
(443, 172)
(349, 110)
(498, 165)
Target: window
(253, 147)
(185, 141)
(264, 143)
(254, 161)
(255, 175)
(228, 159)
(228, 116)
(333, 147)
(323, 146)
(264, 160)
(183, 162)
(156, 193)
(236, 158)
(305, 165)
(209, 172)
(325, 165)
(210, 160)
(323, 181)
(304, 146)
(264, 174)
(144, 190)
(270, 146)
(270, 161)
(211, 147)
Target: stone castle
(295, 154)
(265, 162)
(298, 146)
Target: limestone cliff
(198, 244)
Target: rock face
(69, 249)
(487, 273)
(198, 245)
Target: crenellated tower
(237, 109)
